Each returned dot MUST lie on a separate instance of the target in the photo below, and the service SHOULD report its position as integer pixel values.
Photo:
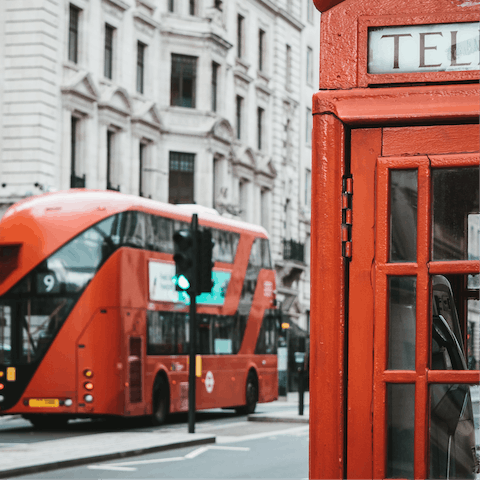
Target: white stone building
(204, 101)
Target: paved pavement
(290, 415)
(25, 458)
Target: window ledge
(182, 109)
(263, 76)
(240, 62)
(76, 67)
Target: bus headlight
(68, 402)
(2, 398)
(88, 398)
(88, 385)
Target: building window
(192, 7)
(183, 81)
(244, 199)
(240, 35)
(181, 176)
(171, 5)
(288, 66)
(108, 66)
(75, 180)
(239, 107)
(261, 50)
(141, 47)
(218, 4)
(264, 207)
(74, 145)
(110, 157)
(308, 187)
(260, 115)
(287, 224)
(308, 129)
(73, 34)
(142, 151)
(215, 67)
(288, 140)
(309, 66)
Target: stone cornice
(150, 22)
(120, 4)
(202, 36)
(221, 42)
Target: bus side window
(205, 337)
(225, 246)
(161, 333)
(223, 334)
(134, 229)
(266, 258)
(255, 259)
(267, 337)
(162, 234)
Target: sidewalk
(25, 458)
(290, 415)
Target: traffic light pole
(193, 330)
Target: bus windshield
(32, 312)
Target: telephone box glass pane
(400, 429)
(455, 213)
(452, 432)
(474, 281)
(401, 325)
(455, 323)
(403, 215)
(473, 335)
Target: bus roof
(93, 205)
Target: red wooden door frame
(368, 299)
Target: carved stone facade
(65, 115)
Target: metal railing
(293, 250)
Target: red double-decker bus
(91, 323)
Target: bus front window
(32, 312)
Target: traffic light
(205, 248)
(184, 256)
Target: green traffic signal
(184, 255)
(182, 282)
(190, 251)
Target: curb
(267, 418)
(102, 458)
(6, 418)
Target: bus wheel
(160, 402)
(48, 422)
(251, 395)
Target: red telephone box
(395, 245)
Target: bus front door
(413, 312)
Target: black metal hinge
(347, 193)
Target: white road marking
(153, 460)
(254, 436)
(121, 466)
(195, 453)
